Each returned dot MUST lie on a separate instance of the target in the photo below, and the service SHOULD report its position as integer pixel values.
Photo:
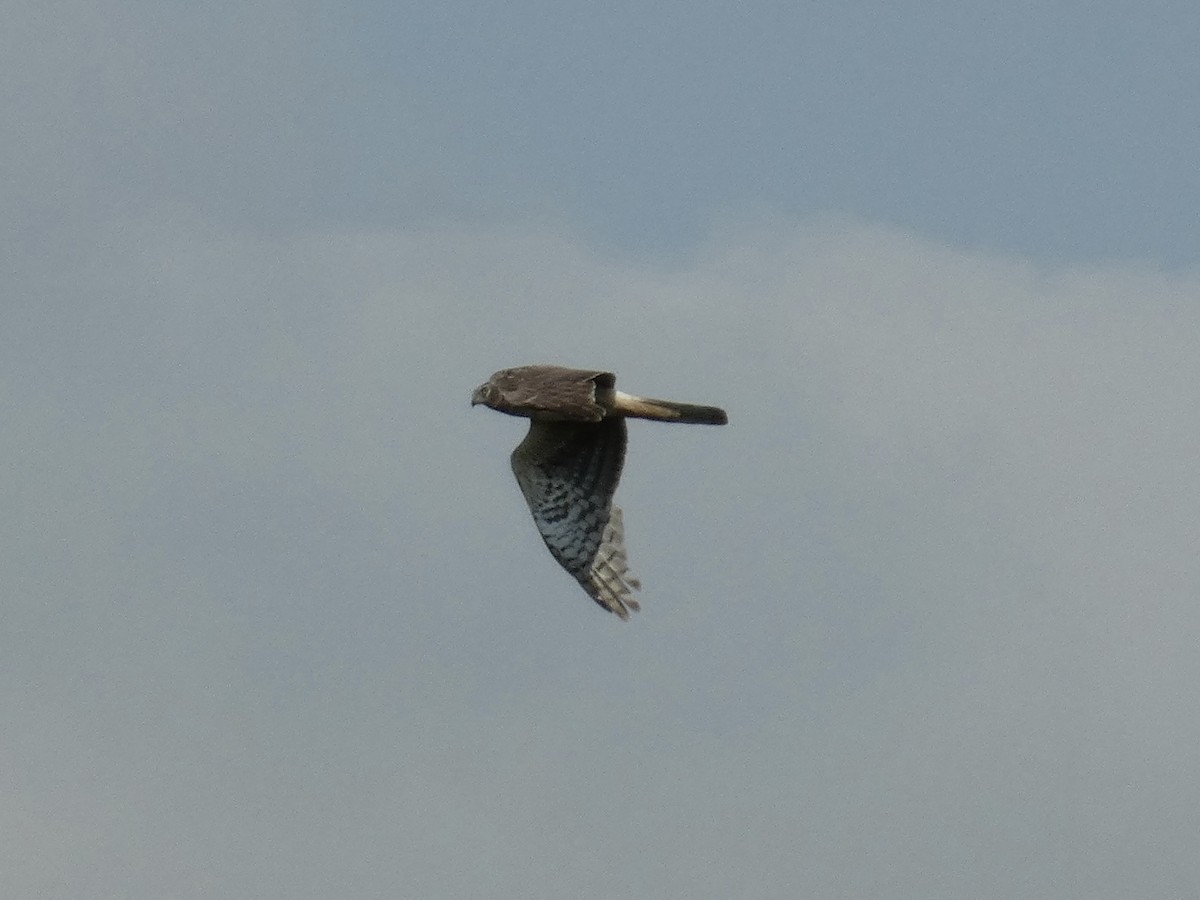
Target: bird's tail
(667, 410)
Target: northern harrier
(570, 461)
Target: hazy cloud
(918, 623)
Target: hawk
(570, 461)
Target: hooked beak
(478, 396)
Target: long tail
(667, 410)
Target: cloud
(916, 622)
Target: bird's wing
(568, 473)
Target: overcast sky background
(922, 621)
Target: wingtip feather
(608, 580)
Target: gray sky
(920, 622)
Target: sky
(921, 621)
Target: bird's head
(486, 393)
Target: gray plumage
(569, 464)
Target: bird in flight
(570, 461)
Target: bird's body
(570, 462)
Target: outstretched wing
(568, 472)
